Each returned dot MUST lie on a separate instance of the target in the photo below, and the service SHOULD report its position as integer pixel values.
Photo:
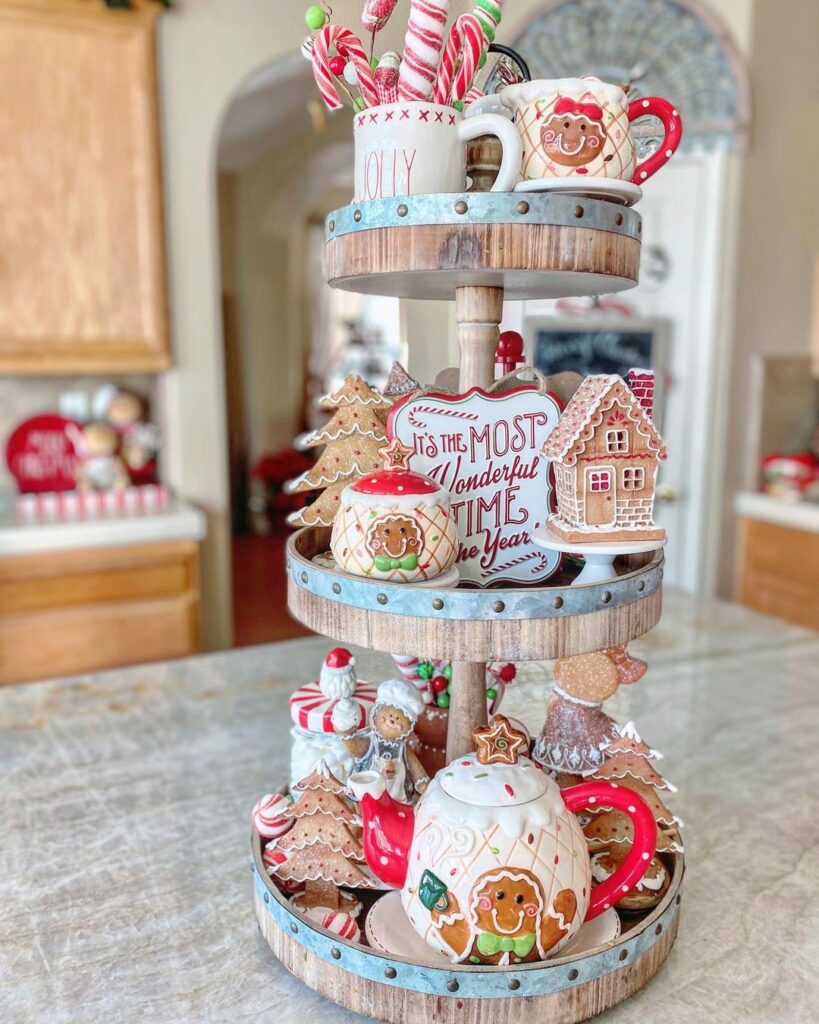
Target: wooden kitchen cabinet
(778, 571)
(82, 267)
(83, 610)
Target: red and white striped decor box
(68, 506)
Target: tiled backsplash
(21, 397)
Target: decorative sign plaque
(41, 455)
(483, 448)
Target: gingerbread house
(605, 450)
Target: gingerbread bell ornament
(394, 524)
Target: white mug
(582, 126)
(415, 148)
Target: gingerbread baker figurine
(398, 705)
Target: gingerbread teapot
(492, 864)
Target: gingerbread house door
(600, 499)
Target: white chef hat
(401, 694)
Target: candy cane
(347, 45)
(473, 94)
(422, 49)
(519, 561)
(437, 411)
(463, 51)
(489, 13)
(376, 14)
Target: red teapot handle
(607, 794)
(672, 123)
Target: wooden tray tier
(395, 990)
(535, 246)
(507, 624)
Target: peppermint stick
(422, 49)
(348, 45)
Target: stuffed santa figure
(313, 735)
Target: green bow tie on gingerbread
(384, 564)
(489, 944)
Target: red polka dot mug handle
(607, 794)
(672, 123)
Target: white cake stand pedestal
(598, 565)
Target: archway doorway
(283, 164)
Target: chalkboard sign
(589, 346)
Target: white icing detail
(624, 888)
(646, 103)
(643, 174)
(669, 153)
(674, 112)
(632, 808)
(575, 88)
(506, 931)
(646, 856)
(384, 860)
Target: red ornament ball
(439, 684)
(508, 672)
(337, 65)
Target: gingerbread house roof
(585, 411)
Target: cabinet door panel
(82, 280)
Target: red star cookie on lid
(498, 742)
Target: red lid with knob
(391, 482)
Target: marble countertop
(180, 522)
(125, 814)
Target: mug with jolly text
(582, 126)
(416, 148)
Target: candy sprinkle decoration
(376, 14)
(422, 49)
(348, 45)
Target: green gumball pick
(442, 700)
(426, 670)
(447, 672)
(491, 693)
(458, 104)
(358, 103)
(315, 17)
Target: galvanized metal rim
(462, 981)
(543, 602)
(443, 208)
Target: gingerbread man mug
(492, 864)
(582, 127)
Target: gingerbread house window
(567, 481)
(634, 479)
(616, 442)
(599, 480)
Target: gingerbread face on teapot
(492, 863)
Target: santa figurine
(313, 735)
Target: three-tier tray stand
(477, 248)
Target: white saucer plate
(613, 189)
(389, 931)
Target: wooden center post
(478, 311)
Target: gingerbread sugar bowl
(395, 524)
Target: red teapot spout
(388, 827)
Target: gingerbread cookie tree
(629, 761)
(323, 847)
(352, 439)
